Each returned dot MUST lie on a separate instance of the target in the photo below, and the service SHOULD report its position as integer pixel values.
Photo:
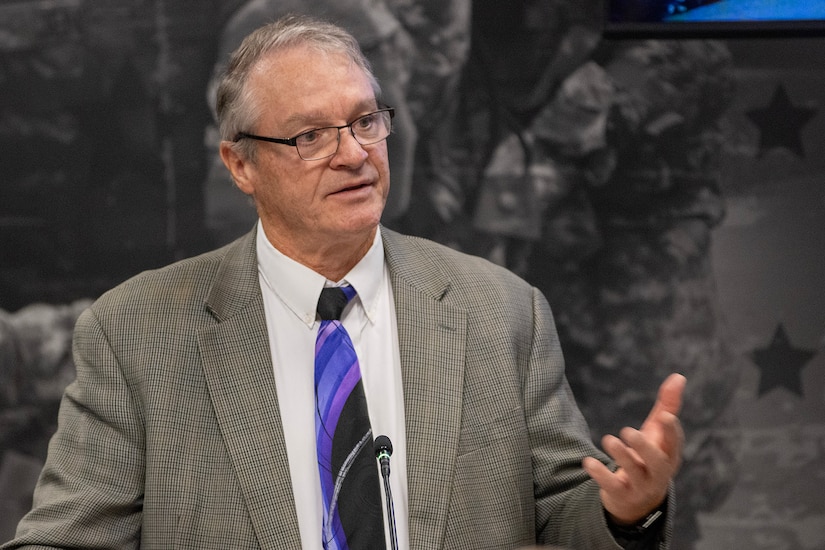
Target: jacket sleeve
(569, 512)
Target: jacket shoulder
(427, 257)
(185, 281)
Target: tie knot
(333, 300)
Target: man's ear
(239, 167)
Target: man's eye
(308, 138)
(365, 121)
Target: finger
(668, 399)
(601, 474)
(659, 458)
(653, 460)
(673, 438)
(623, 454)
(670, 393)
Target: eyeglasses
(321, 143)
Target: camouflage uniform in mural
(597, 179)
(632, 283)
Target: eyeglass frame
(293, 141)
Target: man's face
(306, 205)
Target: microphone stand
(383, 451)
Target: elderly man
(214, 408)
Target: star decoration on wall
(781, 364)
(780, 123)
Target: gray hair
(237, 109)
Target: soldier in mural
(650, 191)
(600, 184)
(597, 177)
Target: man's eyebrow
(300, 119)
(319, 119)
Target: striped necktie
(353, 518)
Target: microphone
(383, 451)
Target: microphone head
(383, 445)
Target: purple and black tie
(353, 518)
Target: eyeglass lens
(323, 142)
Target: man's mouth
(352, 188)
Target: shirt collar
(299, 287)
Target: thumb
(669, 398)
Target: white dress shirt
(290, 293)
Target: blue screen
(726, 16)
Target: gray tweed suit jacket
(171, 435)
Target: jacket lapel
(238, 368)
(432, 339)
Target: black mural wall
(665, 194)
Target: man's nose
(349, 150)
